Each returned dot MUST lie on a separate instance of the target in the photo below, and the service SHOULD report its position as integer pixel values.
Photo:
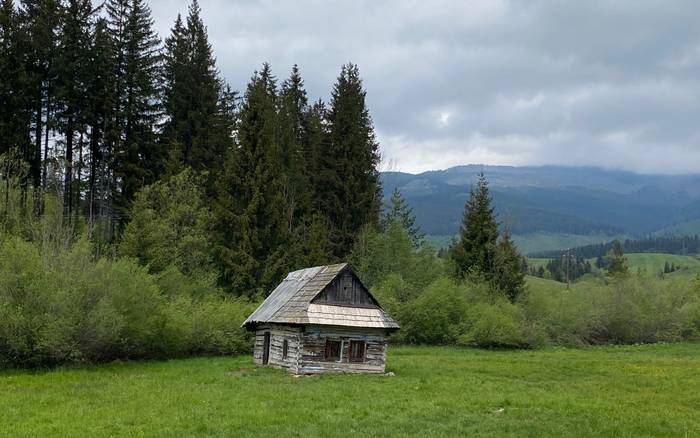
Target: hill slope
(555, 200)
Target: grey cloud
(608, 83)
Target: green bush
(71, 309)
(501, 324)
(170, 226)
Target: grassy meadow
(648, 390)
(652, 263)
(540, 241)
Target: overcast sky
(605, 83)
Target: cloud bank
(603, 83)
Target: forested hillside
(553, 200)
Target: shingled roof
(291, 303)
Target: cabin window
(332, 350)
(285, 348)
(356, 351)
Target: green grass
(537, 262)
(654, 262)
(608, 391)
(543, 241)
(538, 242)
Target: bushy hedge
(433, 308)
(66, 307)
(627, 309)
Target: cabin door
(266, 348)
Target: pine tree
(292, 111)
(41, 20)
(71, 88)
(100, 103)
(16, 107)
(196, 131)
(400, 212)
(316, 144)
(252, 232)
(350, 193)
(476, 248)
(136, 158)
(508, 275)
(616, 260)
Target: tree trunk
(68, 182)
(44, 173)
(78, 176)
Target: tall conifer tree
(400, 212)
(252, 231)
(100, 104)
(293, 107)
(478, 237)
(71, 88)
(15, 88)
(509, 275)
(137, 159)
(197, 132)
(349, 193)
(41, 20)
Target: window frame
(353, 349)
(285, 349)
(329, 349)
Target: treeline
(569, 267)
(94, 108)
(564, 269)
(435, 306)
(681, 245)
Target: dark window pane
(285, 347)
(356, 351)
(332, 350)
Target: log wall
(278, 334)
(313, 347)
(307, 346)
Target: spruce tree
(71, 88)
(16, 107)
(293, 105)
(476, 248)
(350, 193)
(137, 160)
(252, 233)
(41, 20)
(316, 145)
(195, 130)
(616, 260)
(508, 272)
(100, 105)
(400, 212)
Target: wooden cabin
(321, 319)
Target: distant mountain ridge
(554, 199)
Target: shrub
(501, 324)
(170, 225)
(71, 308)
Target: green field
(652, 263)
(606, 391)
(538, 242)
